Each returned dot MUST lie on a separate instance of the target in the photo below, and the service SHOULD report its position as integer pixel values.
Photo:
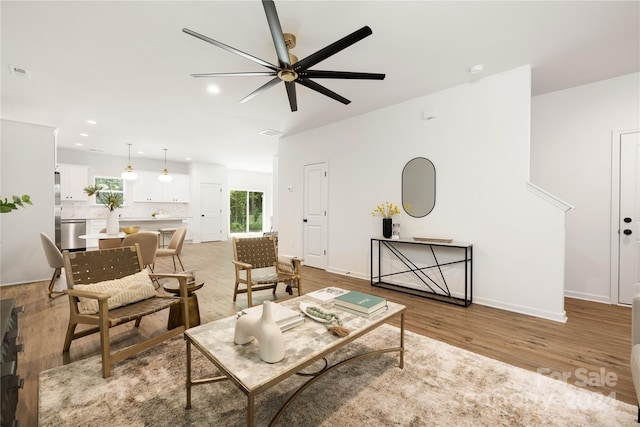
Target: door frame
(616, 137)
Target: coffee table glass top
(303, 343)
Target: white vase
(113, 226)
(265, 330)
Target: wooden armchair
(258, 267)
(92, 267)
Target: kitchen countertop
(135, 219)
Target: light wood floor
(595, 339)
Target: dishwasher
(70, 230)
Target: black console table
(422, 267)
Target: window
(111, 187)
(245, 208)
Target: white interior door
(211, 212)
(315, 215)
(629, 218)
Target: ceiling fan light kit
(290, 70)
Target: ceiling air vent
(270, 132)
(19, 71)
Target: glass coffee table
(304, 345)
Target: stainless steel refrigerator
(57, 209)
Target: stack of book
(360, 303)
(325, 295)
(285, 317)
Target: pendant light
(128, 173)
(165, 177)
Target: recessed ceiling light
(140, 152)
(187, 158)
(213, 89)
(79, 144)
(92, 122)
(84, 134)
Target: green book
(361, 302)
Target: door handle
(627, 220)
(202, 215)
(627, 232)
(304, 220)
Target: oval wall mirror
(418, 187)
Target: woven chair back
(260, 252)
(83, 268)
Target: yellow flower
(386, 210)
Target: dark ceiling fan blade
(291, 91)
(231, 49)
(245, 74)
(332, 49)
(317, 74)
(323, 90)
(276, 32)
(261, 89)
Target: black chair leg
(638, 414)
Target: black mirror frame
(405, 202)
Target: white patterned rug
(440, 385)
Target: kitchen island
(145, 223)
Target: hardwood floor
(593, 346)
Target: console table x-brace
(425, 274)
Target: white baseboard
(544, 314)
(588, 297)
(348, 273)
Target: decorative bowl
(131, 230)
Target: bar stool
(164, 231)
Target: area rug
(440, 385)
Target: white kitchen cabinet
(176, 191)
(147, 188)
(73, 179)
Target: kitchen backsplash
(135, 210)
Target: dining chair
(148, 242)
(175, 247)
(55, 260)
(108, 243)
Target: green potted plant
(111, 201)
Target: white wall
(479, 145)
(27, 161)
(571, 157)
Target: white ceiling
(127, 64)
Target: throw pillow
(122, 291)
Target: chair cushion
(285, 264)
(126, 290)
(266, 274)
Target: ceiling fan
(289, 70)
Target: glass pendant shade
(128, 173)
(165, 177)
